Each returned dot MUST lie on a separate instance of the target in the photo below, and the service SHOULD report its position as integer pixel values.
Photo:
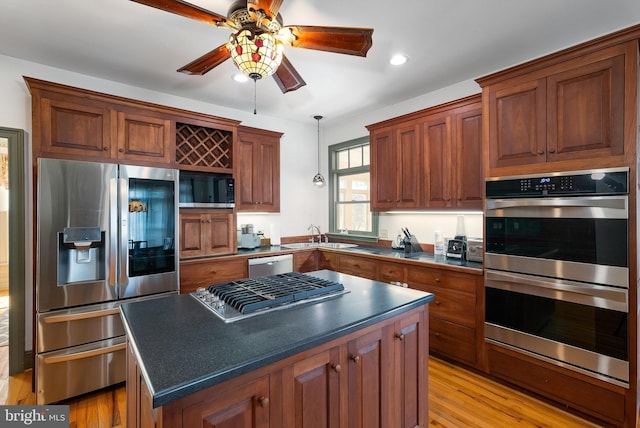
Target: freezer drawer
(72, 327)
(73, 371)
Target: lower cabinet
(207, 232)
(305, 260)
(214, 270)
(373, 378)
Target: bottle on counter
(438, 243)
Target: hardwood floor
(457, 398)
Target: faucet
(311, 228)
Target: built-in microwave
(206, 190)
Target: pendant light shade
(318, 179)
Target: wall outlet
(384, 233)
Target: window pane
(354, 187)
(356, 217)
(343, 159)
(365, 155)
(355, 157)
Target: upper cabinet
(571, 110)
(75, 123)
(430, 159)
(258, 170)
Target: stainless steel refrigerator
(106, 233)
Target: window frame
(334, 174)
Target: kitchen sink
(296, 245)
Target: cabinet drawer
(423, 279)
(458, 308)
(209, 271)
(452, 340)
(391, 272)
(358, 266)
(602, 402)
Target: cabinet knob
(399, 336)
(355, 358)
(264, 401)
(437, 302)
(436, 334)
(121, 150)
(438, 280)
(540, 152)
(552, 150)
(336, 368)
(105, 149)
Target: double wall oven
(106, 233)
(557, 269)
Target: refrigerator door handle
(84, 354)
(113, 231)
(124, 231)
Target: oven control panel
(580, 183)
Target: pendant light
(318, 179)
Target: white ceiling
(447, 41)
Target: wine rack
(204, 148)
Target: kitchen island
(356, 359)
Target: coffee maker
(247, 238)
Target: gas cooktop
(235, 300)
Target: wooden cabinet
(455, 314)
(429, 159)
(375, 377)
(258, 172)
(207, 232)
(311, 391)
(395, 167)
(73, 123)
(305, 260)
(213, 270)
(564, 109)
(205, 144)
(358, 266)
(243, 406)
(392, 273)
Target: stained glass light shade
(256, 55)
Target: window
(350, 190)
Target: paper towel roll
(274, 234)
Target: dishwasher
(272, 265)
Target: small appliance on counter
(475, 249)
(410, 242)
(456, 248)
(247, 238)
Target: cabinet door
(370, 360)
(75, 128)
(437, 161)
(246, 406)
(408, 170)
(144, 138)
(517, 124)
(311, 391)
(222, 233)
(383, 170)
(411, 346)
(585, 110)
(305, 261)
(205, 272)
(467, 168)
(258, 187)
(193, 234)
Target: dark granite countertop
(182, 347)
(397, 255)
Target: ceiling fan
(258, 38)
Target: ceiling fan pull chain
(255, 96)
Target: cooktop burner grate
(238, 299)
(249, 295)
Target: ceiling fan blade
(187, 10)
(270, 7)
(344, 40)
(287, 77)
(207, 61)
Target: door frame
(17, 248)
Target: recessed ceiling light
(240, 78)
(398, 59)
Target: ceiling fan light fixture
(257, 55)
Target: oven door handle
(585, 294)
(617, 204)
